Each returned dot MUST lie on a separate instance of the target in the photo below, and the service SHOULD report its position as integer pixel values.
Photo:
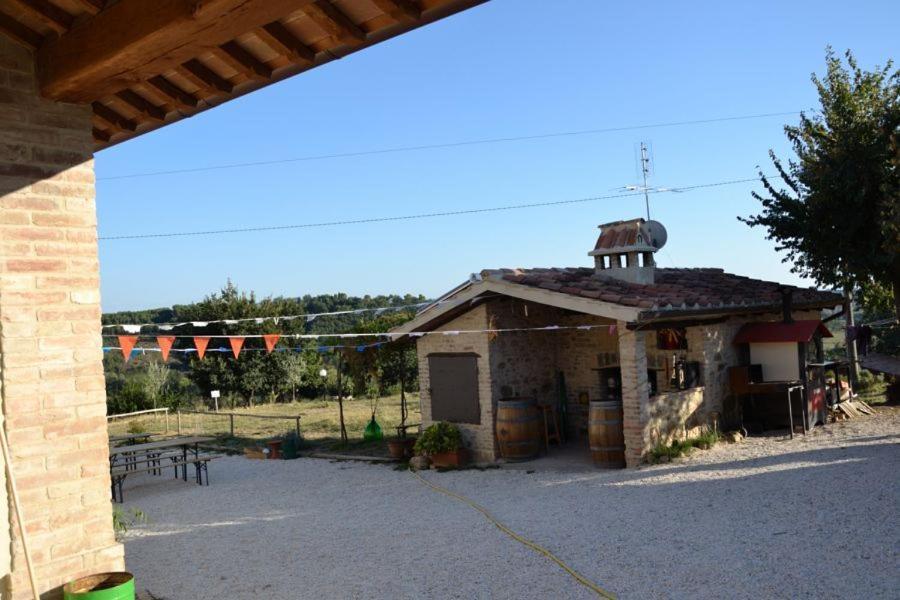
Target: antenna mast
(645, 170)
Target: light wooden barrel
(518, 428)
(607, 439)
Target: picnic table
(130, 439)
(182, 450)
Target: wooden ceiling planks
(144, 64)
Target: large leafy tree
(838, 218)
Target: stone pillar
(635, 393)
(51, 369)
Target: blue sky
(507, 68)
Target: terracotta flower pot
(456, 458)
(401, 448)
(396, 448)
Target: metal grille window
(454, 388)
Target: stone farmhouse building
(644, 319)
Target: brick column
(635, 393)
(51, 369)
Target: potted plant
(442, 443)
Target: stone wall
(478, 438)
(51, 368)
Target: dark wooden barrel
(605, 433)
(518, 428)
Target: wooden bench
(118, 473)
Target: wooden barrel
(518, 428)
(605, 433)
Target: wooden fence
(156, 420)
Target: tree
(839, 218)
(295, 369)
(155, 379)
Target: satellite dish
(656, 233)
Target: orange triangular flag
(271, 339)
(236, 344)
(127, 342)
(200, 343)
(165, 344)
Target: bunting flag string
(127, 343)
(270, 339)
(165, 345)
(320, 349)
(200, 343)
(385, 334)
(236, 344)
(134, 328)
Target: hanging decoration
(165, 345)
(127, 342)
(308, 317)
(200, 343)
(270, 339)
(236, 344)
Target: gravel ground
(766, 518)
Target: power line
(431, 215)
(523, 138)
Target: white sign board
(214, 393)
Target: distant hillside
(231, 303)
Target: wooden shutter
(454, 388)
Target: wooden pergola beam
(207, 79)
(133, 40)
(327, 16)
(116, 121)
(178, 96)
(232, 54)
(47, 13)
(142, 105)
(402, 11)
(19, 32)
(277, 37)
(91, 6)
(100, 135)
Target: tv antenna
(645, 165)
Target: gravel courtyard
(815, 517)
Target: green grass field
(319, 423)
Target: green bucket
(102, 586)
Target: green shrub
(663, 452)
(122, 521)
(136, 427)
(439, 437)
(866, 381)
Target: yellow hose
(536, 547)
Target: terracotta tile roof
(622, 236)
(689, 290)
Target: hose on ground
(534, 546)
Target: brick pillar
(51, 369)
(635, 393)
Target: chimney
(625, 250)
(787, 304)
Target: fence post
(178, 414)
(231, 419)
(167, 421)
(298, 427)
